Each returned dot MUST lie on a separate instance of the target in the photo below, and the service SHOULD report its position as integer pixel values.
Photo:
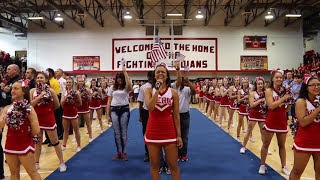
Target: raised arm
(179, 78)
(128, 82)
(305, 120)
(191, 85)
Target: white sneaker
(251, 139)
(225, 120)
(63, 148)
(37, 165)
(219, 125)
(101, 131)
(263, 169)
(238, 139)
(232, 125)
(269, 152)
(90, 140)
(243, 150)
(285, 171)
(105, 120)
(74, 140)
(109, 125)
(98, 125)
(78, 149)
(228, 131)
(244, 130)
(62, 167)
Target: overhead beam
(115, 7)
(187, 8)
(163, 15)
(72, 17)
(233, 9)
(139, 6)
(251, 19)
(211, 12)
(19, 25)
(95, 6)
(306, 15)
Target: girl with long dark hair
(233, 95)
(163, 128)
(276, 121)
(243, 96)
(224, 104)
(307, 139)
(217, 99)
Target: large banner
(254, 62)
(200, 53)
(86, 63)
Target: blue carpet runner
(213, 154)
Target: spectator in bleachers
(295, 89)
(30, 75)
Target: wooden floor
(49, 161)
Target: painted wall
(9, 43)
(311, 43)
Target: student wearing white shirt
(143, 111)
(135, 91)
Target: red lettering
(123, 48)
(134, 48)
(194, 48)
(211, 49)
(118, 64)
(187, 47)
(181, 47)
(141, 47)
(200, 48)
(117, 50)
(198, 64)
(192, 64)
(204, 64)
(205, 49)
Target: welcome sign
(200, 53)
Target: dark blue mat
(213, 154)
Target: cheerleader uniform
(160, 127)
(131, 94)
(95, 103)
(243, 106)
(84, 108)
(70, 111)
(19, 142)
(307, 139)
(200, 93)
(276, 120)
(217, 98)
(104, 101)
(225, 99)
(232, 105)
(255, 114)
(45, 113)
(205, 93)
(213, 95)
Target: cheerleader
(212, 97)
(307, 139)
(45, 101)
(104, 97)
(233, 95)
(243, 96)
(256, 99)
(95, 102)
(224, 99)
(83, 110)
(69, 101)
(276, 121)
(22, 123)
(205, 93)
(217, 100)
(200, 101)
(163, 128)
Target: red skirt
(95, 104)
(104, 102)
(224, 101)
(201, 94)
(84, 108)
(70, 111)
(276, 120)
(307, 139)
(255, 115)
(243, 110)
(131, 94)
(217, 99)
(232, 106)
(46, 117)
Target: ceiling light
(293, 15)
(269, 16)
(199, 14)
(127, 15)
(174, 14)
(58, 18)
(35, 18)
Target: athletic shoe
(243, 150)
(117, 157)
(167, 169)
(263, 170)
(124, 157)
(105, 120)
(109, 125)
(184, 158)
(285, 171)
(232, 125)
(63, 147)
(146, 158)
(37, 165)
(101, 131)
(74, 140)
(220, 125)
(161, 169)
(90, 140)
(269, 152)
(98, 125)
(238, 139)
(62, 167)
(228, 131)
(179, 157)
(251, 139)
(244, 130)
(78, 149)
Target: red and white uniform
(255, 114)
(217, 99)
(131, 94)
(84, 108)
(45, 113)
(224, 100)
(234, 92)
(19, 142)
(104, 101)
(213, 94)
(94, 103)
(201, 92)
(276, 120)
(243, 106)
(204, 88)
(307, 139)
(160, 127)
(70, 111)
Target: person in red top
(211, 91)
(95, 103)
(307, 139)
(196, 100)
(243, 99)
(217, 99)
(224, 104)
(45, 101)
(104, 97)
(276, 121)
(19, 146)
(163, 128)
(233, 95)
(69, 101)
(200, 101)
